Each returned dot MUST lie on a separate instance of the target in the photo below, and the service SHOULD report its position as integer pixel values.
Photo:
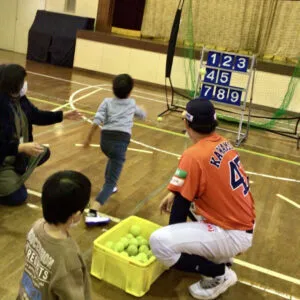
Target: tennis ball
(124, 253)
(135, 230)
(132, 250)
(142, 257)
(159, 119)
(119, 247)
(202, 71)
(109, 244)
(144, 249)
(140, 240)
(150, 254)
(125, 242)
(144, 242)
(129, 236)
(134, 241)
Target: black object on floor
(52, 37)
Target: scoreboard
(216, 84)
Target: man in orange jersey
(211, 177)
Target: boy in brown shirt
(54, 268)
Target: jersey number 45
(236, 177)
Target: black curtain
(128, 14)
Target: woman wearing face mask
(19, 155)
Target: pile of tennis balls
(132, 245)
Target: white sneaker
(210, 288)
(115, 189)
(91, 220)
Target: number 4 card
(211, 75)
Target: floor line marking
(182, 135)
(268, 290)
(272, 151)
(58, 78)
(59, 127)
(134, 95)
(33, 206)
(131, 149)
(150, 196)
(269, 156)
(78, 99)
(140, 150)
(273, 177)
(38, 194)
(266, 271)
(86, 84)
(288, 200)
(34, 193)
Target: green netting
(191, 67)
(189, 50)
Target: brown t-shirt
(54, 268)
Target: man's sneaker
(210, 288)
(94, 220)
(115, 189)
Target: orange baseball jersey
(211, 175)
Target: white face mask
(24, 89)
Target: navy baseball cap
(200, 112)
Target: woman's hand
(166, 203)
(31, 149)
(72, 115)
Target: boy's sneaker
(94, 218)
(210, 288)
(115, 189)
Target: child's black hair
(122, 86)
(12, 78)
(64, 193)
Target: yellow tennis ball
(125, 241)
(159, 119)
(109, 244)
(134, 241)
(132, 250)
(135, 230)
(119, 247)
(144, 249)
(202, 71)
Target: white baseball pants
(198, 238)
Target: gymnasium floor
(269, 270)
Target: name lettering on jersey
(219, 153)
(178, 178)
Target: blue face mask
(24, 89)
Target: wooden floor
(269, 270)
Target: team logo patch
(180, 173)
(177, 181)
